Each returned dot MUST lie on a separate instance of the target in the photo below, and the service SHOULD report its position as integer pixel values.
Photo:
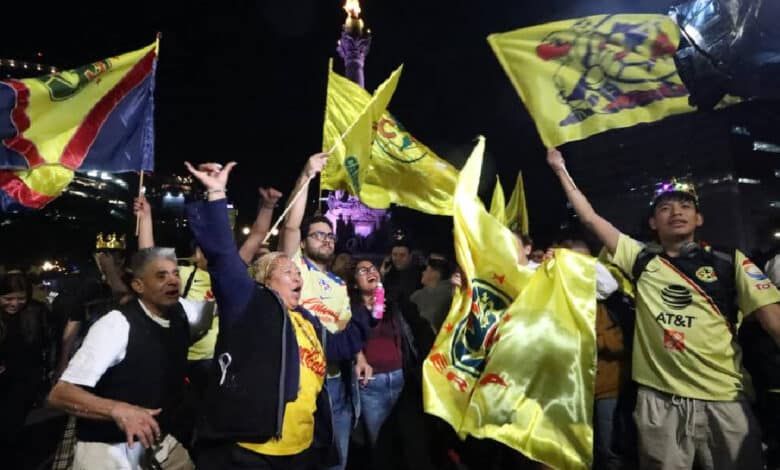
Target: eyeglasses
(323, 236)
(366, 270)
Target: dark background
(245, 81)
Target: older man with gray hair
(124, 382)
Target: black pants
(231, 456)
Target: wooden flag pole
(140, 193)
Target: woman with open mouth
(265, 399)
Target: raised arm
(211, 228)
(143, 211)
(605, 231)
(291, 229)
(268, 199)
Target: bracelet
(212, 191)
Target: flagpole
(140, 193)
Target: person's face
(537, 256)
(285, 278)
(13, 302)
(401, 257)
(159, 283)
(366, 276)
(675, 219)
(522, 251)
(319, 243)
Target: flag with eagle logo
(584, 76)
(515, 358)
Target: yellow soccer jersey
(683, 344)
(324, 294)
(200, 289)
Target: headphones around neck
(689, 249)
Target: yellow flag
(535, 394)
(487, 253)
(515, 359)
(584, 76)
(497, 203)
(350, 145)
(398, 169)
(516, 210)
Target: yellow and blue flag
(385, 166)
(515, 359)
(96, 117)
(584, 76)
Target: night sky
(245, 81)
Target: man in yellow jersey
(692, 409)
(311, 244)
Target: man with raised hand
(692, 409)
(311, 244)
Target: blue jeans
(605, 458)
(342, 418)
(377, 400)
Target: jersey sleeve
(626, 253)
(754, 289)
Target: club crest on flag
(63, 85)
(476, 332)
(394, 141)
(617, 62)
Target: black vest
(150, 376)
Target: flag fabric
(584, 76)
(516, 210)
(96, 117)
(497, 202)
(386, 166)
(515, 359)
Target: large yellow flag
(515, 360)
(497, 202)
(516, 213)
(535, 393)
(396, 168)
(487, 253)
(588, 75)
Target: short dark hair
(527, 240)
(14, 281)
(442, 266)
(401, 243)
(315, 219)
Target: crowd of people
(292, 356)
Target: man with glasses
(311, 244)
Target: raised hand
(315, 164)
(269, 196)
(141, 207)
(213, 176)
(137, 422)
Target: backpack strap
(190, 280)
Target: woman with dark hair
(391, 402)
(22, 359)
(390, 350)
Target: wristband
(212, 191)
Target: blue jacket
(257, 366)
